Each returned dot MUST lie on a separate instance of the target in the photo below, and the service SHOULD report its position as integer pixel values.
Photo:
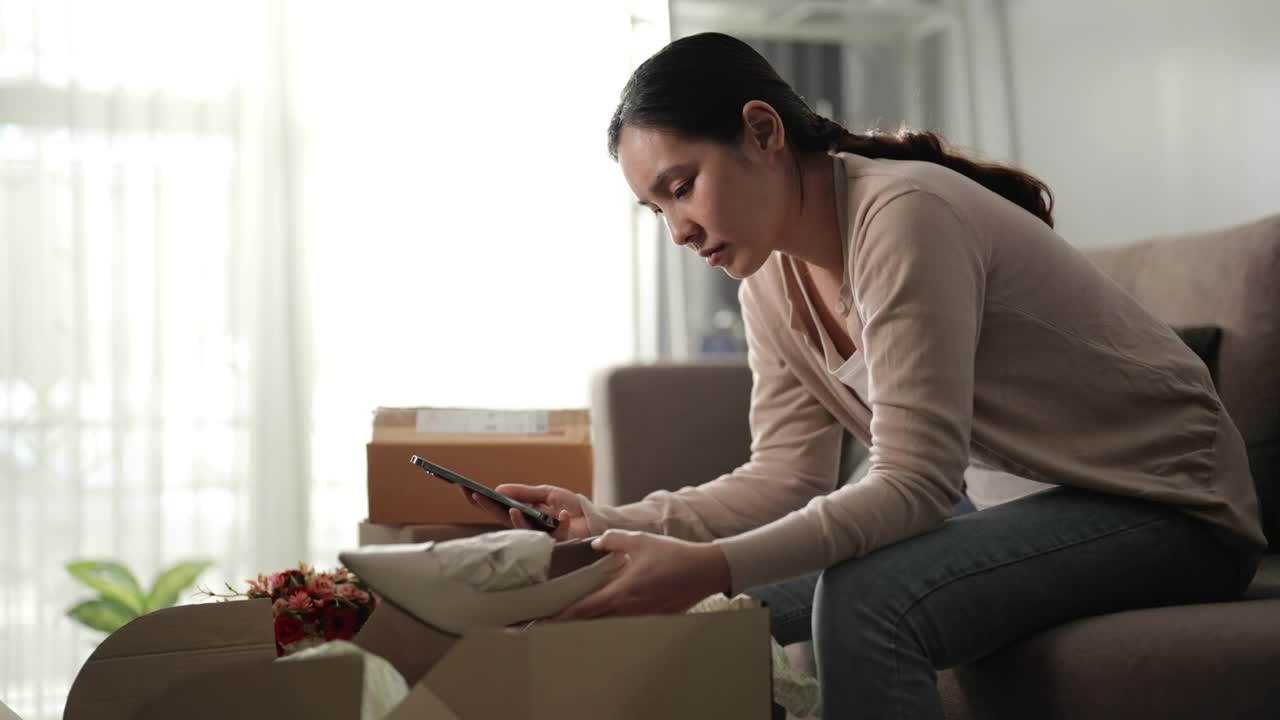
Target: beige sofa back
(664, 426)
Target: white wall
(1146, 117)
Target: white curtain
(152, 374)
(228, 230)
(473, 246)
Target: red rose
(288, 629)
(339, 623)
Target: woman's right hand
(557, 502)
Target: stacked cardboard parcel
(492, 447)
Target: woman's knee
(854, 601)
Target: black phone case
(544, 521)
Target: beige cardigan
(982, 336)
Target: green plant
(120, 597)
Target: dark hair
(696, 87)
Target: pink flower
(320, 587)
(276, 582)
(354, 594)
(300, 602)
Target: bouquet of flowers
(310, 607)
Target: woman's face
(713, 197)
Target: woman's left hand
(661, 575)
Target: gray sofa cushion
(1175, 663)
(1203, 341)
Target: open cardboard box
(492, 447)
(215, 660)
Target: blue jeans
(883, 624)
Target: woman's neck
(813, 236)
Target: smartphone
(537, 518)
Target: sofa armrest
(665, 426)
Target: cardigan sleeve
(795, 453)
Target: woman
(923, 301)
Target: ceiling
(818, 20)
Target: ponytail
(1022, 189)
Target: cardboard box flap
(422, 704)
(631, 668)
(410, 645)
(328, 688)
(472, 425)
(503, 655)
(161, 648)
(223, 626)
(658, 665)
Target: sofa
(666, 426)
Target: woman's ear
(763, 130)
